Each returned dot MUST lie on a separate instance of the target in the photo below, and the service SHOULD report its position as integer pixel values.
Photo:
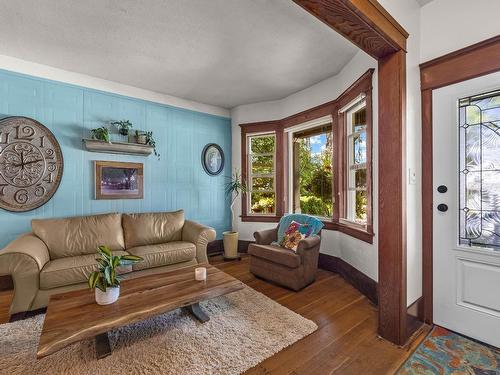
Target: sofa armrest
(265, 237)
(23, 259)
(200, 235)
(309, 243)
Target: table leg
(198, 313)
(102, 346)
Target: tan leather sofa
(59, 254)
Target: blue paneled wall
(176, 181)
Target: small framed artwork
(118, 180)
(212, 159)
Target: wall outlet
(412, 176)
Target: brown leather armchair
(294, 270)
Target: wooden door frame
(369, 26)
(470, 62)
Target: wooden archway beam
(369, 26)
(364, 22)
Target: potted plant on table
(106, 281)
(234, 188)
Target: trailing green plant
(123, 126)
(106, 276)
(101, 134)
(152, 142)
(234, 187)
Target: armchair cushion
(275, 254)
(285, 221)
(294, 234)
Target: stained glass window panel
(479, 170)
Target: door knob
(442, 207)
(442, 188)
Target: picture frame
(212, 159)
(118, 180)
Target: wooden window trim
(362, 85)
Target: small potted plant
(123, 126)
(140, 137)
(105, 281)
(101, 134)
(234, 187)
(152, 142)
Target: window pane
(479, 172)
(312, 179)
(361, 206)
(359, 148)
(262, 183)
(262, 203)
(262, 145)
(262, 164)
(360, 178)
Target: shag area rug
(245, 328)
(445, 352)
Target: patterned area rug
(445, 352)
(245, 328)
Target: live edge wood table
(75, 316)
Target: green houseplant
(106, 281)
(123, 126)
(152, 142)
(101, 134)
(234, 187)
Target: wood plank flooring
(346, 341)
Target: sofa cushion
(152, 228)
(73, 270)
(275, 254)
(81, 235)
(163, 254)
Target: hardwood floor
(346, 341)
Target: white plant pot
(109, 296)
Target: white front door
(466, 175)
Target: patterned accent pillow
(294, 233)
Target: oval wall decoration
(212, 159)
(31, 164)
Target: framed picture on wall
(212, 159)
(118, 180)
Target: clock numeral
(49, 154)
(25, 133)
(4, 139)
(42, 141)
(52, 166)
(39, 191)
(21, 196)
(2, 189)
(48, 179)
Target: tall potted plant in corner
(234, 188)
(106, 280)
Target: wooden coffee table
(75, 316)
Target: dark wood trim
(466, 63)
(364, 22)
(470, 62)
(260, 219)
(359, 280)
(217, 247)
(414, 317)
(392, 198)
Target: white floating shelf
(93, 145)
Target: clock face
(31, 164)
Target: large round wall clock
(31, 164)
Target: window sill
(350, 230)
(260, 218)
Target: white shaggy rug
(245, 328)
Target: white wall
(448, 25)
(359, 254)
(43, 71)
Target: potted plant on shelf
(140, 137)
(234, 188)
(152, 142)
(105, 281)
(123, 126)
(101, 134)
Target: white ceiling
(219, 52)
(423, 2)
